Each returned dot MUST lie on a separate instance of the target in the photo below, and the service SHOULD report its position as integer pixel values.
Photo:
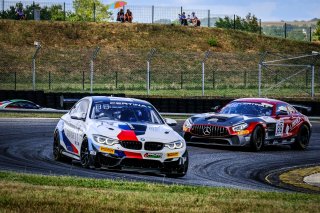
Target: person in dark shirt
(128, 16)
(20, 14)
(120, 16)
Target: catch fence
(156, 73)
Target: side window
(80, 107)
(282, 108)
(13, 105)
(28, 105)
(292, 110)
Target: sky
(268, 10)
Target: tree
(85, 10)
(317, 32)
(249, 24)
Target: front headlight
(188, 123)
(105, 140)
(175, 145)
(239, 127)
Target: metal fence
(157, 73)
(169, 15)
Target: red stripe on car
(133, 155)
(127, 135)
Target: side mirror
(170, 122)
(216, 108)
(281, 112)
(79, 116)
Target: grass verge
(29, 115)
(295, 177)
(36, 193)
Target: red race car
(253, 122)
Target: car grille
(136, 145)
(209, 130)
(153, 146)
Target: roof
(109, 98)
(260, 100)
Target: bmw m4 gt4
(120, 133)
(253, 122)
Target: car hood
(142, 131)
(219, 119)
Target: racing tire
(85, 160)
(182, 171)
(302, 139)
(257, 139)
(57, 150)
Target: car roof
(111, 98)
(260, 100)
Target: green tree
(250, 23)
(86, 9)
(317, 32)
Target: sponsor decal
(153, 155)
(287, 129)
(107, 150)
(173, 155)
(295, 123)
(279, 127)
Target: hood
(219, 119)
(133, 131)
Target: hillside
(139, 36)
(63, 63)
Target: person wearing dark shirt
(120, 16)
(128, 16)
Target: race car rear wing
(302, 109)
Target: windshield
(125, 111)
(247, 108)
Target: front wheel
(257, 139)
(85, 154)
(182, 170)
(302, 139)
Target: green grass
(29, 115)
(36, 193)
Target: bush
(213, 42)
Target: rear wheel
(257, 139)
(302, 139)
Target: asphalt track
(26, 146)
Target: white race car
(120, 133)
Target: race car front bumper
(232, 140)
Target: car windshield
(248, 108)
(125, 111)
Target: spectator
(183, 19)
(128, 16)
(20, 14)
(120, 16)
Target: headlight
(239, 127)
(175, 145)
(105, 140)
(188, 123)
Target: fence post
(181, 11)
(116, 79)
(208, 18)
(259, 80)
(82, 80)
(312, 81)
(206, 56)
(37, 46)
(310, 34)
(93, 57)
(245, 78)
(149, 57)
(260, 29)
(181, 79)
(15, 80)
(64, 11)
(285, 30)
(213, 79)
(152, 14)
(94, 12)
(234, 21)
(2, 6)
(49, 80)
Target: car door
(83, 109)
(70, 129)
(284, 121)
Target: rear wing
(303, 109)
